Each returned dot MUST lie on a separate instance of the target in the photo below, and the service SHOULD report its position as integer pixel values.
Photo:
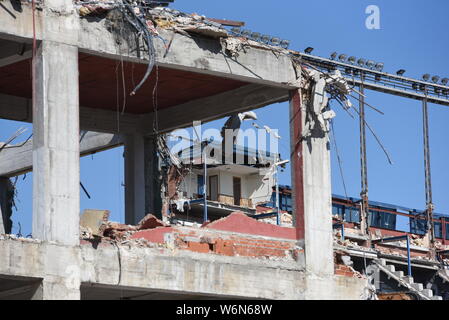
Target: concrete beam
(99, 120)
(167, 270)
(17, 160)
(194, 53)
(15, 108)
(17, 21)
(21, 291)
(12, 52)
(245, 98)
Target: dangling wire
(140, 25)
(334, 138)
(377, 138)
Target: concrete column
(134, 179)
(62, 273)
(297, 162)
(6, 203)
(153, 178)
(56, 150)
(142, 179)
(56, 176)
(312, 184)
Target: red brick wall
(342, 270)
(236, 245)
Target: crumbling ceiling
(101, 84)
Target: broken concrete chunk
(116, 230)
(207, 31)
(150, 222)
(347, 261)
(86, 233)
(92, 220)
(232, 46)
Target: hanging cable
(140, 25)
(376, 137)
(334, 138)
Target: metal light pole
(428, 177)
(363, 161)
(204, 157)
(278, 218)
(205, 184)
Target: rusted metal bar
(363, 163)
(297, 161)
(229, 23)
(428, 176)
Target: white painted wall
(255, 186)
(260, 186)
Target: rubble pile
(346, 243)
(417, 240)
(120, 232)
(267, 242)
(180, 22)
(286, 219)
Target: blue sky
(413, 36)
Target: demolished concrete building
(200, 72)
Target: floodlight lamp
(333, 56)
(275, 41)
(342, 57)
(246, 33)
(379, 66)
(255, 36)
(308, 50)
(377, 77)
(361, 62)
(415, 86)
(400, 72)
(236, 30)
(370, 64)
(422, 87)
(444, 81)
(426, 77)
(435, 79)
(437, 90)
(285, 44)
(352, 60)
(265, 38)
(445, 92)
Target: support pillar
(142, 179)
(311, 177)
(153, 178)
(56, 171)
(6, 203)
(134, 179)
(297, 162)
(56, 167)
